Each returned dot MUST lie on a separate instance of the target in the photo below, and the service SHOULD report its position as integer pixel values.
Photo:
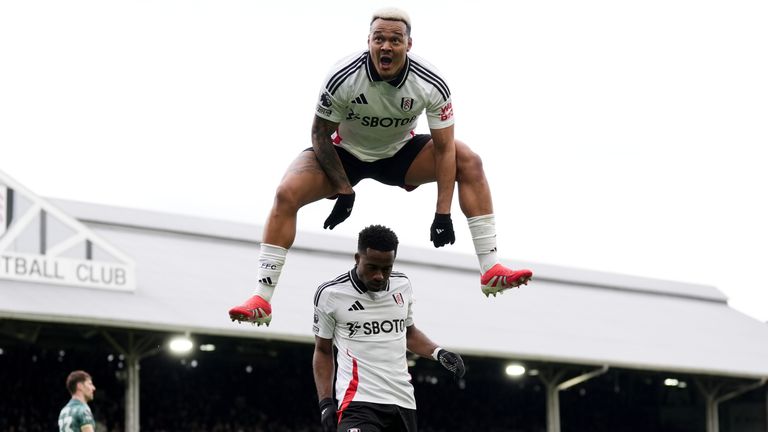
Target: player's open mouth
(385, 61)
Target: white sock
(271, 260)
(483, 231)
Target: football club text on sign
(40, 243)
(65, 271)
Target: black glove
(441, 231)
(452, 362)
(328, 419)
(341, 210)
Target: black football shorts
(390, 171)
(372, 417)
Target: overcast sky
(618, 136)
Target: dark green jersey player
(76, 416)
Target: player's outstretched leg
(257, 309)
(495, 278)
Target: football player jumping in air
(364, 127)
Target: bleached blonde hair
(393, 14)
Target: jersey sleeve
(324, 321)
(333, 100)
(330, 107)
(439, 111)
(409, 317)
(87, 419)
(439, 106)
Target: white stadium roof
(189, 271)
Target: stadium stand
(83, 285)
(266, 386)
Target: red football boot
(499, 278)
(255, 310)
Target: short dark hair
(74, 378)
(377, 237)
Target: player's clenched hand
(441, 231)
(341, 210)
(328, 415)
(452, 362)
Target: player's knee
(468, 163)
(287, 198)
(293, 194)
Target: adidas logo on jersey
(266, 281)
(356, 306)
(361, 100)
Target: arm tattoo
(326, 155)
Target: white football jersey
(376, 118)
(368, 330)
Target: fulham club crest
(398, 299)
(406, 103)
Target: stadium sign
(65, 271)
(40, 243)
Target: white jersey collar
(397, 81)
